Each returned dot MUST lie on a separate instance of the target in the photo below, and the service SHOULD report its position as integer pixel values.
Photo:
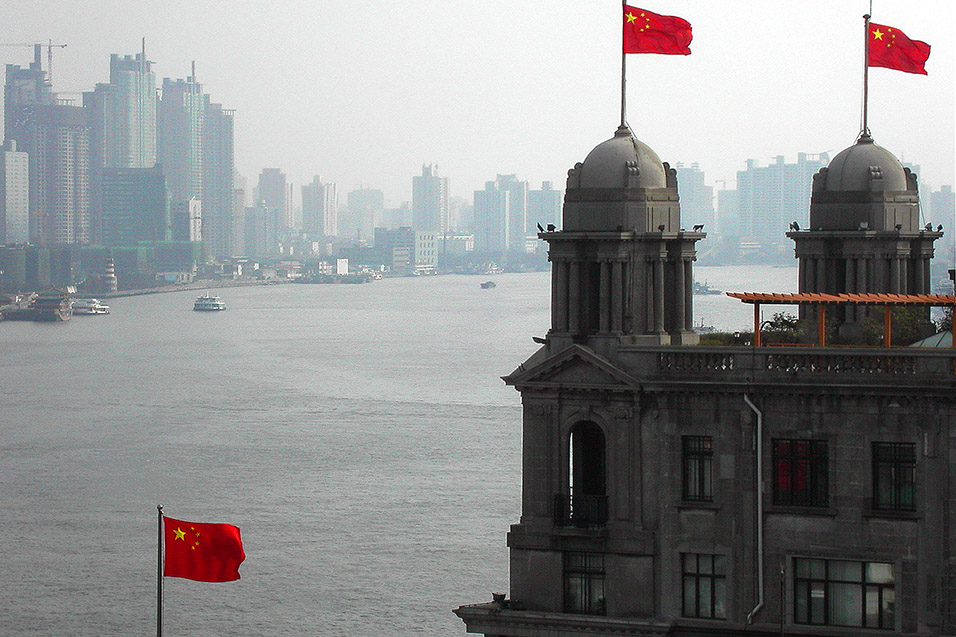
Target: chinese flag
(891, 49)
(646, 32)
(202, 552)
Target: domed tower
(865, 233)
(622, 263)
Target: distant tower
(622, 263)
(865, 233)
(14, 194)
(273, 192)
(430, 201)
(320, 209)
(109, 277)
(181, 121)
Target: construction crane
(38, 51)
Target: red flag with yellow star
(646, 32)
(891, 49)
(202, 552)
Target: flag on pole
(646, 32)
(891, 49)
(202, 552)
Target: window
(704, 585)
(800, 472)
(584, 583)
(844, 593)
(894, 476)
(698, 459)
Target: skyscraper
(364, 212)
(14, 194)
(696, 197)
(181, 119)
(430, 201)
(273, 192)
(123, 125)
(544, 206)
(517, 210)
(219, 215)
(320, 206)
(493, 218)
(135, 206)
(56, 136)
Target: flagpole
(159, 571)
(866, 70)
(623, 76)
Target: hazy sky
(362, 93)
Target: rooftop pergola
(821, 300)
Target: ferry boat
(487, 285)
(206, 303)
(703, 288)
(52, 305)
(90, 306)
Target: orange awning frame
(822, 299)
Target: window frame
(811, 465)
(697, 468)
(712, 569)
(589, 572)
(897, 461)
(804, 588)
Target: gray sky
(362, 93)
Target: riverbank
(205, 284)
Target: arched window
(586, 502)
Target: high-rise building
(219, 214)
(123, 125)
(135, 206)
(363, 213)
(430, 201)
(942, 207)
(493, 227)
(273, 193)
(696, 197)
(771, 197)
(517, 209)
(181, 119)
(544, 206)
(261, 226)
(55, 134)
(14, 194)
(320, 205)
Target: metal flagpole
(866, 68)
(623, 75)
(159, 571)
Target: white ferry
(206, 303)
(90, 306)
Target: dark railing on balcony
(580, 510)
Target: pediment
(575, 367)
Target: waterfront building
(544, 207)
(135, 206)
(696, 197)
(261, 226)
(492, 218)
(363, 213)
(430, 201)
(180, 121)
(671, 488)
(14, 194)
(769, 198)
(517, 209)
(220, 217)
(942, 207)
(273, 193)
(320, 205)
(55, 134)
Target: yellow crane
(38, 51)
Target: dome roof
(606, 165)
(851, 169)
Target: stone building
(670, 488)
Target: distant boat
(703, 288)
(52, 305)
(90, 306)
(487, 285)
(206, 303)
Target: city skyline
(365, 97)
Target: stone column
(605, 310)
(802, 274)
(574, 297)
(559, 296)
(821, 268)
(849, 280)
(810, 281)
(617, 296)
(679, 299)
(689, 295)
(659, 296)
(894, 275)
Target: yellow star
(630, 16)
(877, 35)
(180, 534)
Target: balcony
(581, 511)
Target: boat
(206, 303)
(703, 288)
(90, 306)
(52, 305)
(487, 285)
